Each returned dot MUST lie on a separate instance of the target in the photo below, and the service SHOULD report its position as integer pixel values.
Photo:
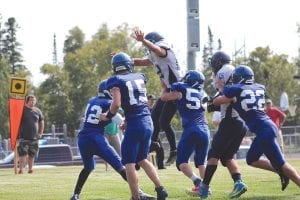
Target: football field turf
(57, 183)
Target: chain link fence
(291, 138)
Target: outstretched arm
(222, 100)
(142, 62)
(139, 36)
(168, 96)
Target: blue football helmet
(194, 78)
(218, 60)
(103, 91)
(243, 74)
(121, 61)
(154, 37)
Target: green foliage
(85, 64)
(153, 82)
(53, 97)
(5, 74)
(276, 73)
(63, 95)
(82, 84)
(1, 37)
(208, 51)
(4, 82)
(10, 45)
(74, 40)
(10, 62)
(296, 98)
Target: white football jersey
(166, 67)
(222, 76)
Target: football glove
(211, 108)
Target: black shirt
(30, 123)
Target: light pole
(193, 32)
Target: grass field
(57, 183)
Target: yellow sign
(17, 86)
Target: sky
(236, 22)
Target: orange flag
(16, 107)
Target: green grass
(57, 184)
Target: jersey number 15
(138, 84)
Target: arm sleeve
(175, 87)
(280, 113)
(231, 91)
(112, 82)
(41, 116)
(163, 44)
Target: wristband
(110, 115)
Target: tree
(54, 53)
(208, 51)
(295, 100)
(53, 96)
(1, 37)
(275, 72)
(272, 70)
(4, 82)
(74, 41)
(11, 47)
(103, 33)
(104, 43)
(90, 62)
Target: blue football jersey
(190, 106)
(250, 100)
(133, 93)
(95, 106)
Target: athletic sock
(209, 172)
(236, 177)
(84, 174)
(196, 180)
(123, 174)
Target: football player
(229, 135)
(163, 59)
(128, 90)
(195, 136)
(248, 99)
(91, 140)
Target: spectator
(278, 117)
(112, 134)
(31, 130)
